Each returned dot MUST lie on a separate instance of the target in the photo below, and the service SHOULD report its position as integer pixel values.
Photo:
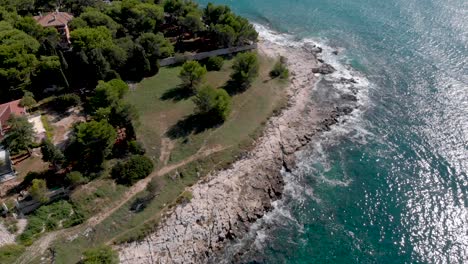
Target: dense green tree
(94, 18)
(214, 63)
(20, 135)
(214, 13)
(93, 142)
(216, 103)
(87, 39)
(108, 93)
(192, 74)
(192, 22)
(39, 190)
(63, 102)
(52, 154)
(156, 45)
(100, 255)
(245, 68)
(135, 168)
(75, 178)
(28, 100)
(17, 59)
(228, 28)
(48, 72)
(141, 17)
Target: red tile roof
(54, 19)
(7, 109)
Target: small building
(6, 111)
(59, 21)
(6, 168)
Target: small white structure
(39, 130)
(6, 169)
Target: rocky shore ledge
(226, 203)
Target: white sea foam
(351, 125)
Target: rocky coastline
(226, 203)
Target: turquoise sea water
(389, 185)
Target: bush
(213, 102)
(39, 190)
(245, 68)
(136, 148)
(100, 255)
(280, 69)
(214, 63)
(49, 216)
(10, 252)
(76, 178)
(65, 101)
(135, 168)
(192, 74)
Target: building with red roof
(58, 20)
(6, 111)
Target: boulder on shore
(325, 68)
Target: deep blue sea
(389, 185)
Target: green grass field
(160, 109)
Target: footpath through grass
(161, 106)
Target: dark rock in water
(313, 48)
(344, 110)
(349, 97)
(325, 68)
(345, 80)
(335, 52)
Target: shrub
(214, 63)
(245, 68)
(27, 100)
(130, 171)
(280, 69)
(136, 148)
(48, 217)
(10, 252)
(65, 101)
(100, 255)
(76, 178)
(213, 102)
(39, 190)
(192, 74)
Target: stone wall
(203, 55)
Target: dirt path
(42, 244)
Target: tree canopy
(245, 68)
(192, 74)
(93, 142)
(216, 103)
(100, 255)
(121, 39)
(20, 135)
(39, 190)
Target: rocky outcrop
(324, 68)
(226, 203)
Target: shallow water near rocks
(390, 183)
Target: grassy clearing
(9, 253)
(48, 128)
(94, 197)
(160, 108)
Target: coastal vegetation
(164, 127)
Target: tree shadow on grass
(195, 123)
(234, 87)
(178, 93)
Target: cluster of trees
(216, 103)
(121, 39)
